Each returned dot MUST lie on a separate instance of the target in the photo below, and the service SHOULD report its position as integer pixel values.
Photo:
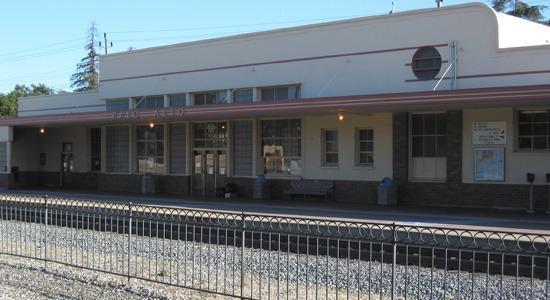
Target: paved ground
(448, 217)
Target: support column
(401, 148)
(255, 146)
(255, 94)
(132, 163)
(454, 146)
(188, 99)
(103, 149)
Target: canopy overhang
(532, 95)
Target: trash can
(386, 192)
(260, 189)
(147, 184)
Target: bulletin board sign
(489, 133)
(489, 164)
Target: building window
(242, 95)
(534, 130)
(281, 144)
(364, 147)
(178, 100)
(329, 139)
(215, 97)
(426, 63)
(280, 93)
(116, 104)
(209, 135)
(95, 144)
(150, 102)
(3, 157)
(429, 135)
(150, 149)
(117, 149)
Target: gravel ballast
(217, 268)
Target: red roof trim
(393, 101)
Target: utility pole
(438, 2)
(105, 38)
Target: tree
(87, 74)
(8, 102)
(521, 9)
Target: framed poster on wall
(489, 164)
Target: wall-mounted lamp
(42, 130)
(340, 117)
(151, 125)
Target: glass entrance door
(209, 171)
(67, 163)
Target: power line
(233, 26)
(38, 48)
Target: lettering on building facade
(174, 112)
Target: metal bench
(310, 187)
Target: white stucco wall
(478, 53)
(517, 164)
(60, 104)
(381, 123)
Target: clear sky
(42, 41)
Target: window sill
(531, 152)
(330, 167)
(289, 177)
(364, 168)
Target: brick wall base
(449, 194)
(498, 196)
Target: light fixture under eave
(152, 125)
(340, 117)
(42, 130)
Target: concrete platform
(459, 218)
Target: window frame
(358, 151)
(234, 91)
(171, 100)
(205, 93)
(425, 73)
(282, 158)
(324, 148)
(518, 135)
(119, 102)
(423, 135)
(217, 141)
(148, 141)
(297, 95)
(145, 100)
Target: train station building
(452, 104)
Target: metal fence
(274, 257)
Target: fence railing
(275, 257)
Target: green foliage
(521, 9)
(8, 102)
(87, 75)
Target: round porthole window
(426, 63)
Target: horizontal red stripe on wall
(269, 63)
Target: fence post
(129, 240)
(243, 217)
(394, 261)
(45, 230)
